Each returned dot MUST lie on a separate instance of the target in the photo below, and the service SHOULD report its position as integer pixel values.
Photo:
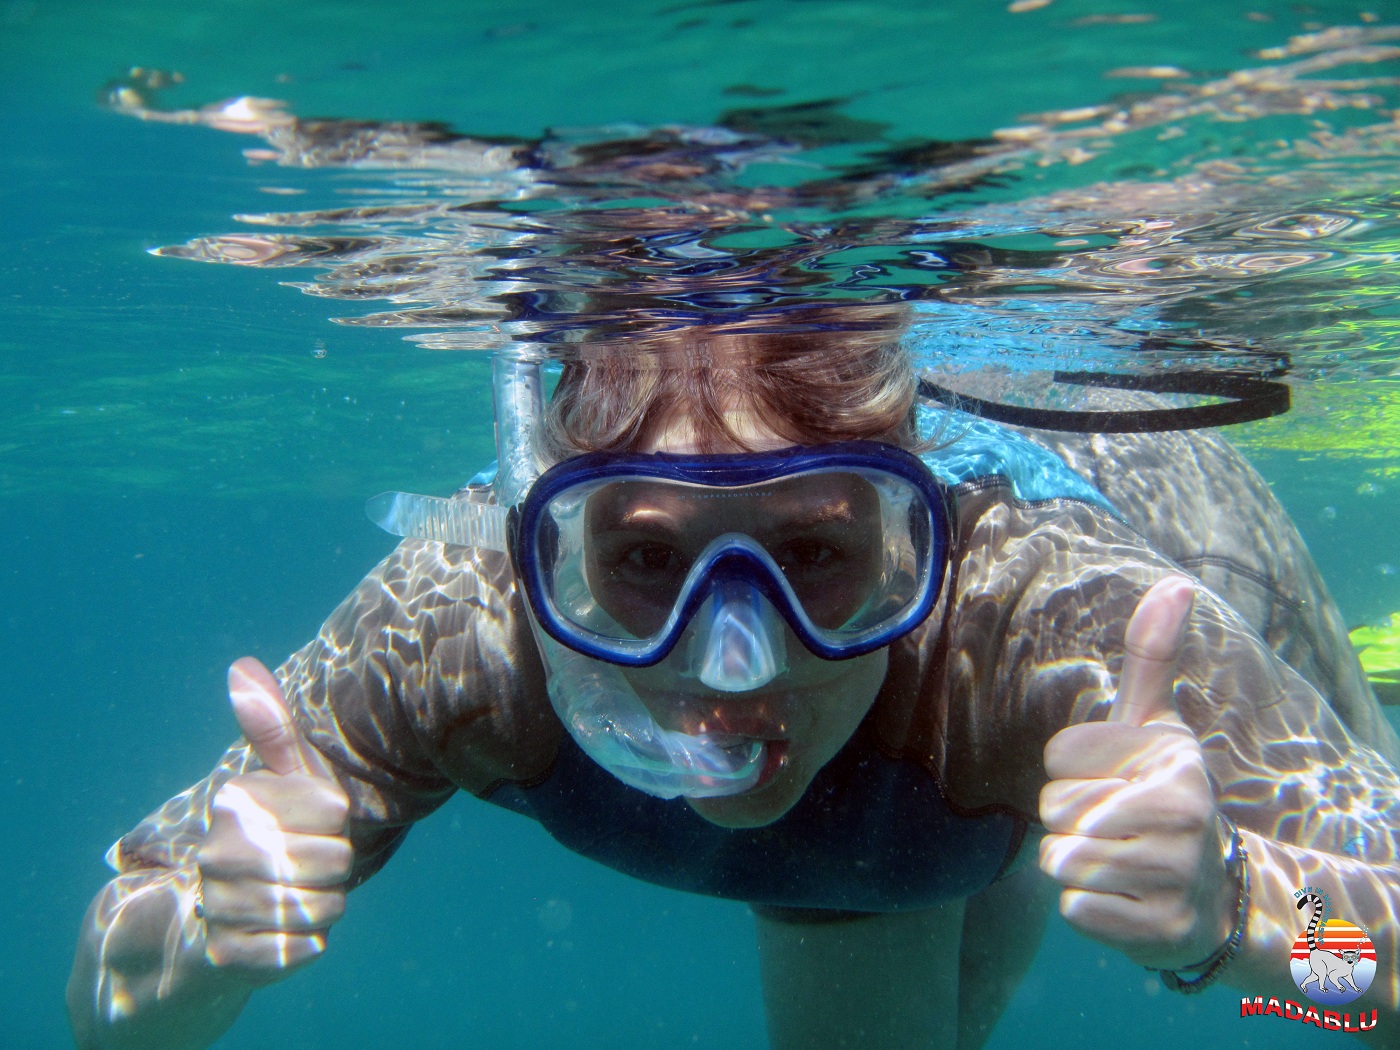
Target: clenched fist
(275, 862)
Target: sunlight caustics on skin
(432, 623)
(439, 614)
(263, 830)
(115, 999)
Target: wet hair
(837, 374)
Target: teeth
(725, 740)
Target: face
(809, 711)
(643, 537)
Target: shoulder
(1022, 642)
(429, 666)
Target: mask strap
(1248, 398)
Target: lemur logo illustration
(1333, 960)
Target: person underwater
(736, 614)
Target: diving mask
(628, 560)
(845, 542)
(714, 561)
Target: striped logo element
(1337, 967)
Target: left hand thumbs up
(1129, 808)
(1146, 686)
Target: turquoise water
(184, 450)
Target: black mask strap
(1249, 397)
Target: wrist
(1199, 976)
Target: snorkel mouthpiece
(738, 642)
(608, 720)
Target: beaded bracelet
(1237, 867)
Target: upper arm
(343, 692)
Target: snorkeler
(738, 616)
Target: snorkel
(737, 644)
(598, 706)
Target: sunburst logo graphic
(1333, 960)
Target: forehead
(807, 500)
(680, 434)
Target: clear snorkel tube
(594, 700)
(517, 392)
(607, 719)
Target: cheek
(826, 708)
(852, 696)
(839, 691)
(659, 679)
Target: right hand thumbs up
(274, 864)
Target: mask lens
(848, 548)
(640, 540)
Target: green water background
(184, 451)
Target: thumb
(1146, 687)
(267, 725)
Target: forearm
(140, 977)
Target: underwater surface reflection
(184, 452)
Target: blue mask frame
(740, 558)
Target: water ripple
(1274, 258)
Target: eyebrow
(838, 510)
(830, 510)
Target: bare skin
(1133, 843)
(887, 981)
(270, 883)
(274, 865)
(1149, 880)
(1134, 835)
(812, 708)
(275, 861)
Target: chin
(737, 811)
(756, 807)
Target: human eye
(831, 580)
(647, 563)
(807, 556)
(648, 560)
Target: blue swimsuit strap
(978, 448)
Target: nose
(738, 643)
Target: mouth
(754, 719)
(761, 718)
(774, 759)
(740, 730)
